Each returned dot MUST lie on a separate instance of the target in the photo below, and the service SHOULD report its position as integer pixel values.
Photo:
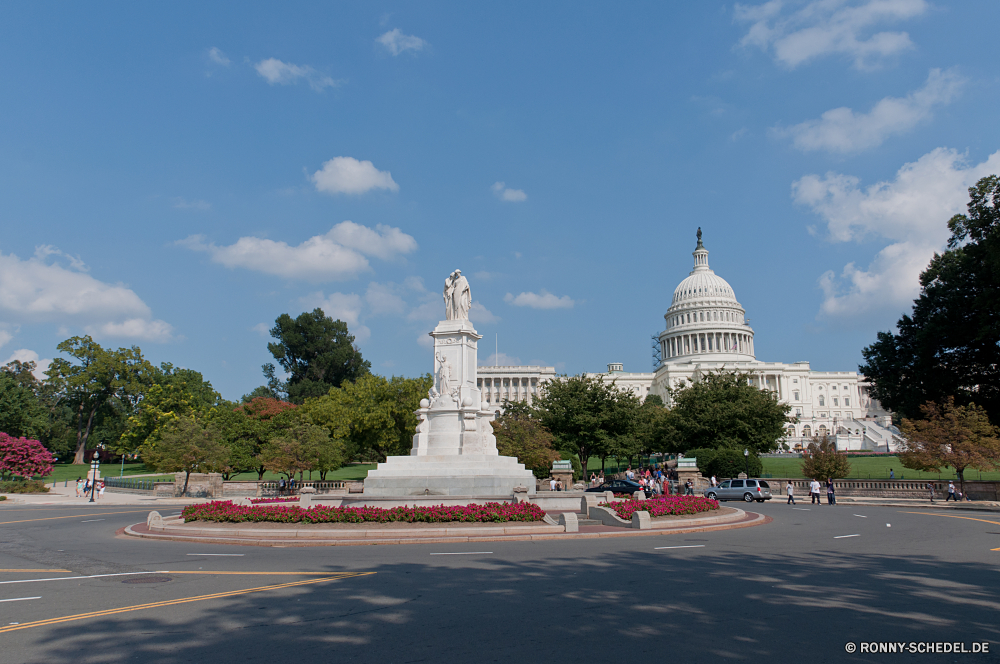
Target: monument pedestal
(454, 450)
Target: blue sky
(177, 176)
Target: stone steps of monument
(587, 522)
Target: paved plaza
(801, 587)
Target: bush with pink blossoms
(663, 506)
(226, 511)
(23, 457)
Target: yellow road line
(260, 573)
(74, 516)
(183, 600)
(36, 570)
(954, 516)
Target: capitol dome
(705, 318)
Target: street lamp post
(94, 465)
(746, 460)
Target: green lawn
(66, 472)
(871, 468)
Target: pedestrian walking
(930, 490)
(715, 482)
(814, 493)
(951, 493)
(831, 497)
(552, 484)
(892, 474)
(689, 488)
(791, 493)
(79, 487)
(100, 489)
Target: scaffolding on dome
(657, 352)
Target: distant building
(706, 331)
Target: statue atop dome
(700, 245)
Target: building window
(791, 432)
(822, 401)
(798, 412)
(835, 402)
(847, 401)
(795, 396)
(806, 431)
(795, 381)
(821, 431)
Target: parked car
(745, 490)
(618, 486)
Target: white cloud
(542, 300)
(277, 72)
(911, 212)
(480, 314)
(382, 299)
(134, 328)
(183, 204)
(218, 57)
(433, 310)
(347, 175)
(501, 360)
(509, 195)
(40, 290)
(5, 337)
(396, 42)
(338, 254)
(340, 306)
(842, 130)
(425, 340)
(263, 329)
(24, 355)
(825, 27)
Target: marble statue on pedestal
(454, 450)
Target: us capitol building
(706, 331)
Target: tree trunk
(82, 435)
(260, 473)
(961, 481)
(187, 476)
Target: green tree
(948, 435)
(185, 445)
(174, 393)
(101, 379)
(821, 460)
(300, 447)
(587, 415)
(520, 434)
(949, 345)
(723, 409)
(22, 413)
(245, 429)
(730, 462)
(316, 352)
(373, 416)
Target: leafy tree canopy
(373, 416)
(521, 435)
(948, 435)
(822, 461)
(22, 413)
(97, 379)
(186, 445)
(723, 409)
(316, 352)
(949, 345)
(245, 429)
(587, 416)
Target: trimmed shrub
(23, 486)
(730, 463)
(226, 511)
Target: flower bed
(664, 506)
(263, 501)
(226, 511)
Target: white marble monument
(454, 451)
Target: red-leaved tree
(23, 457)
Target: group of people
(84, 486)
(655, 481)
(814, 492)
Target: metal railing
(271, 488)
(132, 484)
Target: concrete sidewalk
(66, 495)
(844, 501)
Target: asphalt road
(795, 590)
